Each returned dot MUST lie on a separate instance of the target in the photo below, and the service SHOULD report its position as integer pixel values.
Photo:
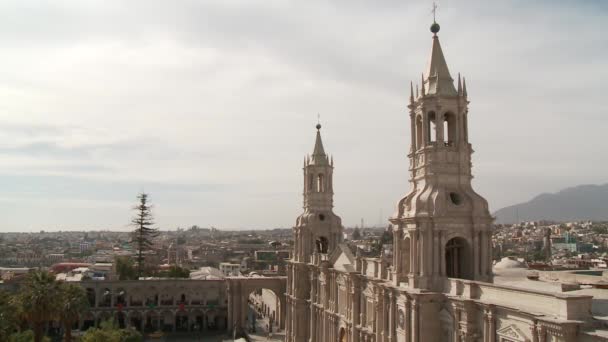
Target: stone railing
(558, 305)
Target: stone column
(356, 300)
(414, 252)
(534, 331)
(475, 255)
(313, 315)
(415, 308)
(391, 316)
(489, 324)
(422, 253)
(542, 333)
(442, 253)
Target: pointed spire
(459, 86)
(416, 91)
(411, 92)
(423, 90)
(464, 87)
(318, 155)
(332, 161)
(438, 80)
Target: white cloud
(226, 92)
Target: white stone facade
(438, 285)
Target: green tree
(356, 234)
(39, 300)
(144, 233)
(109, 332)
(74, 302)
(125, 268)
(8, 316)
(178, 272)
(25, 336)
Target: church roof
(437, 79)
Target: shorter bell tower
(317, 233)
(318, 229)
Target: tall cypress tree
(144, 232)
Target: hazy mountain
(583, 202)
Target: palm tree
(8, 316)
(39, 300)
(74, 302)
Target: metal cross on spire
(434, 10)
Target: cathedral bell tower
(442, 227)
(317, 233)
(318, 229)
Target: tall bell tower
(442, 227)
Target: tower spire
(438, 79)
(318, 155)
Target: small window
(455, 198)
(321, 217)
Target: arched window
(457, 258)
(418, 133)
(431, 126)
(322, 244)
(311, 181)
(320, 183)
(449, 129)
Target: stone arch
(419, 130)
(152, 321)
(105, 297)
(320, 182)
(120, 296)
(91, 296)
(458, 259)
(136, 320)
(431, 128)
(151, 299)
(343, 335)
(166, 320)
(239, 304)
(166, 297)
(197, 319)
(182, 321)
(446, 322)
(450, 135)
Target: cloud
(227, 93)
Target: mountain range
(583, 202)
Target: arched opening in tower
(322, 244)
(457, 258)
(320, 183)
(432, 127)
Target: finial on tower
(423, 90)
(411, 92)
(318, 121)
(435, 27)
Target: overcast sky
(210, 106)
